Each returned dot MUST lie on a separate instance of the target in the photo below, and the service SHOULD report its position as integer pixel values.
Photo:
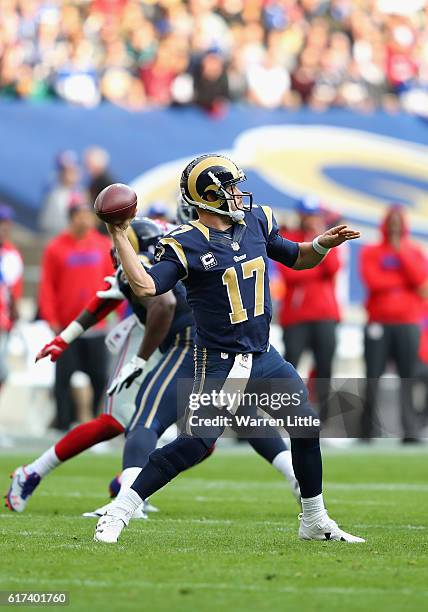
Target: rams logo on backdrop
(356, 172)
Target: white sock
(45, 463)
(124, 506)
(284, 465)
(127, 479)
(313, 509)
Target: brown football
(116, 203)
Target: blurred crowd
(361, 54)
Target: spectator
(211, 84)
(309, 311)
(158, 76)
(11, 269)
(96, 161)
(304, 76)
(119, 87)
(54, 214)
(268, 82)
(76, 80)
(73, 268)
(236, 78)
(395, 276)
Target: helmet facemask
(234, 210)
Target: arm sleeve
(280, 249)
(165, 275)
(97, 309)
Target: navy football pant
(166, 463)
(161, 401)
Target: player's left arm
(312, 253)
(303, 255)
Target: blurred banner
(356, 163)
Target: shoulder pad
(181, 229)
(177, 248)
(188, 227)
(267, 211)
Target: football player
(157, 407)
(222, 259)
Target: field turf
(226, 538)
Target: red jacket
(72, 272)
(11, 268)
(423, 347)
(310, 294)
(392, 278)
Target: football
(116, 203)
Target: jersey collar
(237, 229)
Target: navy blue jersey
(183, 317)
(226, 277)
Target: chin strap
(234, 215)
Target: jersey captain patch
(208, 260)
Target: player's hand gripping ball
(116, 203)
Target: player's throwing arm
(141, 283)
(116, 205)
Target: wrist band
(71, 332)
(318, 247)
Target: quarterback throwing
(222, 259)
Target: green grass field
(226, 538)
